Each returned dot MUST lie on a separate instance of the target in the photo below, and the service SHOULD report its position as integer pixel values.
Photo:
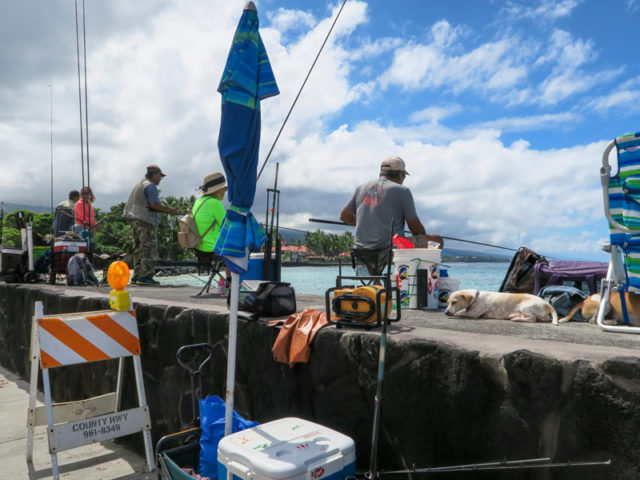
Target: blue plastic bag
(212, 410)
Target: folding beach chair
(621, 194)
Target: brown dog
(613, 315)
(517, 307)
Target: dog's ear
(468, 298)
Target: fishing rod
(333, 222)
(86, 98)
(500, 465)
(79, 94)
(300, 91)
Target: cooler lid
(284, 448)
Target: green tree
(328, 245)
(40, 224)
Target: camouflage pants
(145, 247)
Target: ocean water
(316, 280)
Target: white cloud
(547, 10)
(284, 20)
(534, 122)
(490, 66)
(626, 94)
(435, 114)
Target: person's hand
(172, 211)
(435, 238)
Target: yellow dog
(613, 315)
(517, 307)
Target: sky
(500, 109)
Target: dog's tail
(571, 313)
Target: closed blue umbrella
(247, 79)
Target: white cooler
(287, 449)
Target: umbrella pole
(231, 352)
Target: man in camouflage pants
(143, 213)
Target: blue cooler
(254, 270)
(287, 449)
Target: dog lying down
(613, 315)
(517, 307)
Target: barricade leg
(142, 400)
(33, 382)
(47, 401)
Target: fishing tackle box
(287, 449)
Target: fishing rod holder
(269, 273)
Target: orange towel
(293, 344)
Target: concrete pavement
(106, 460)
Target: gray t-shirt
(375, 203)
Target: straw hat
(212, 183)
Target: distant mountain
(12, 207)
(455, 254)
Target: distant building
(296, 253)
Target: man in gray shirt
(372, 208)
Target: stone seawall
(449, 397)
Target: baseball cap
(154, 169)
(393, 164)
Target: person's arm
(347, 216)
(163, 208)
(416, 227)
(151, 192)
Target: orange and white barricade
(68, 339)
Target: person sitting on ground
(142, 211)
(85, 214)
(373, 206)
(208, 213)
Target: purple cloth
(554, 273)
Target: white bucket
(406, 264)
(448, 285)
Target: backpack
(188, 236)
(79, 271)
(520, 275)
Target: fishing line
(332, 222)
(300, 91)
(79, 94)
(86, 105)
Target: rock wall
(441, 405)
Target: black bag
(271, 299)
(563, 298)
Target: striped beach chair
(621, 194)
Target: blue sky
(501, 110)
